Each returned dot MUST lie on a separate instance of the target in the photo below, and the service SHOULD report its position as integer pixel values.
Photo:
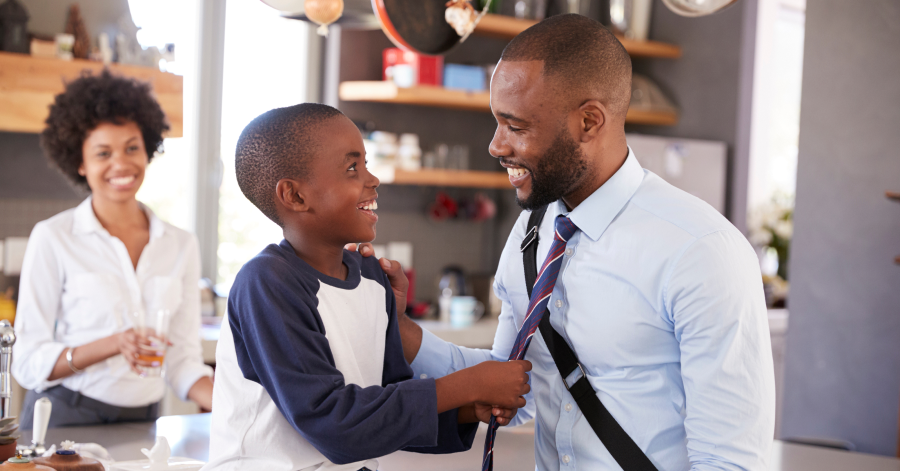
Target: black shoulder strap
(617, 442)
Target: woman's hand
(134, 346)
(398, 280)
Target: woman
(89, 270)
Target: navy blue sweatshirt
(310, 372)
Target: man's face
(340, 190)
(533, 141)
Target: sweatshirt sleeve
(280, 344)
(452, 436)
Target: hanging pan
(422, 26)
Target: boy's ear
(289, 194)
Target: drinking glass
(154, 330)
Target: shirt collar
(599, 209)
(86, 221)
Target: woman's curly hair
(89, 101)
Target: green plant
(9, 430)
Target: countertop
(188, 436)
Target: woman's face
(114, 161)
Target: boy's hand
(483, 412)
(502, 383)
(398, 280)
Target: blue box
(458, 76)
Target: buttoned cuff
(434, 358)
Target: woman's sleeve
(184, 359)
(40, 290)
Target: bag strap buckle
(583, 374)
(530, 237)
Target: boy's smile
(340, 190)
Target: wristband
(69, 360)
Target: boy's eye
(352, 167)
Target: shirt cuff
(50, 353)
(187, 377)
(434, 358)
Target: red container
(428, 70)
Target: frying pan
(416, 25)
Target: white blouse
(78, 285)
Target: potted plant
(9, 432)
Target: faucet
(7, 339)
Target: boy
(310, 368)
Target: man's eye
(352, 167)
(514, 130)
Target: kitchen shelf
(426, 95)
(506, 27)
(29, 84)
(443, 178)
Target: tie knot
(564, 228)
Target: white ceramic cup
(465, 311)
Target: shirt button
(423, 376)
(566, 459)
(569, 252)
(568, 407)
(559, 304)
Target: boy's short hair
(274, 146)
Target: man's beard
(558, 171)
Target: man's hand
(398, 280)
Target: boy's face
(340, 191)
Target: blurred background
(782, 114)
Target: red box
(428, 70)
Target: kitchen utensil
(465, 311)
(420, 26)
(22, 463)
(7, 339)
(42, 409)
(694, 8)
(67, 459)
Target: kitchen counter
(188, 436)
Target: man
(658, 295)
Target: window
(167, 184)
(265, 67)
(776, 100)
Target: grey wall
(843, 346)
(711, 84)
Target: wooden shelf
(431, 96)
(505, 27)
(423, 95)
(29, 84)
(443, 178)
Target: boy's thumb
(385, 263)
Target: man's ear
(592, 118)
(290, 195)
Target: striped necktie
(540, 295)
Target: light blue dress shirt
(662, 300)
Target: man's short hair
(277, 145)
(582, 56)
